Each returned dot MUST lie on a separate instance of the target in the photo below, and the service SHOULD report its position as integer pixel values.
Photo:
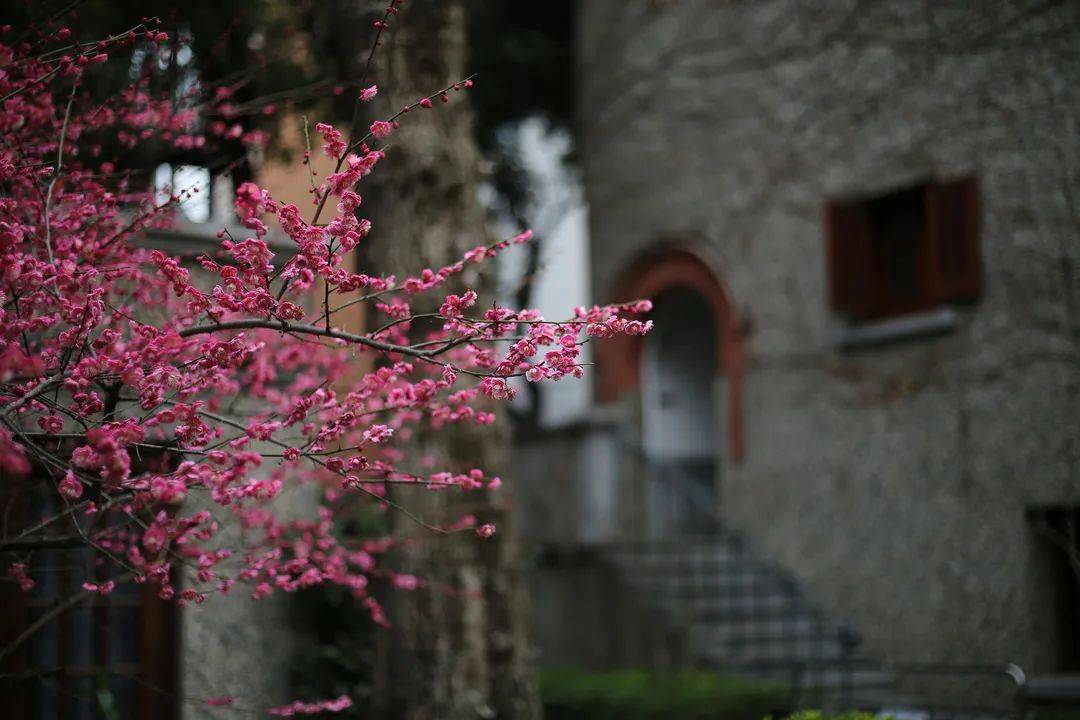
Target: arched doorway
(679, 404)
(687, 374)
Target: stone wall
(894, 480)
(606, 625)
(234, 646)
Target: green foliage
(818, 715)
(643, 695)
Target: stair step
(755, 653)
(713, 582)
(864, 683)
(747, 615)
(795, 609)
(764, 605)
(676, 569)
(710, 578)
(716, 554)
(808, 665)
(679, 546)
(779, 628)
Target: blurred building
(129, 651)
(848, 456)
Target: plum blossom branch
(133, 380)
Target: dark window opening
(904, 252)
(897, 223)
(1059, 529)
(104, 656)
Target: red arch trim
(619, 359)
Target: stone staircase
(738, 612)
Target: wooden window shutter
(158, 645)
(850, 259)
(953, 219)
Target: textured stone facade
(235, 647)
(894, 480)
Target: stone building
(851, 446)
(154, 659)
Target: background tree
(448, 654)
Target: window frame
(156, 630)
(948, 263)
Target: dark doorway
(679, 415)
(1059, 531)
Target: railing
(681, 497)
(737, 598)
(815, 656)
(1001, 690)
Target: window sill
(193, 238)
(851, 336)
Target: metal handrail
(1012, 671)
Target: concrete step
(867, 683)
(674, 568)
(679, 554)
(789, 655)
(713, 589)
(793, 614)
(711, 578)
(765, 605)
(756, 652)
(809, 670)
(727, 611)
(782, 626)
(744, 614)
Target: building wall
(893, 480)
(236, 647)
(231, 645)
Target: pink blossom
(497, 388)
(453, 305)
(448, 375)
(381, 129)
(154, 538)
(70, 488)
(52, 424)
(171, 377)
(18, 571)
(311, 708)
(378, 433)
(101, 589)
(333, 142)
(405, 582)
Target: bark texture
(458, 648)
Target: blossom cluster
(159, 402)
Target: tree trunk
(449, 654)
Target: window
(116, 651)
(908, 251)
(192, 184)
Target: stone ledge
(851, 336)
